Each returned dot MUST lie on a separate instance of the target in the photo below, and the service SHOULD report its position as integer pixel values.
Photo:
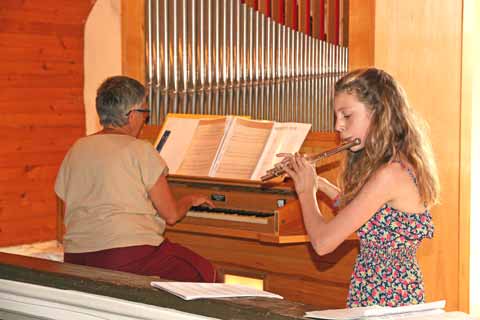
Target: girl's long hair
(394, 131)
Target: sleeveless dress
(386, 271)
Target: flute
(279, 168)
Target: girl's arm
(324, 235)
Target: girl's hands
(302, 173)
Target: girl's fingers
(283, 154)
(291, 173)
(294, 164)
(299, 161)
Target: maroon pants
(168, 261)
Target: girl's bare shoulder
(389, 172)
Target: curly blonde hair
(395, 130)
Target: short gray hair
(115, 97)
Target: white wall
(103, 54)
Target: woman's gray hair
(115, 97)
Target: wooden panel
(291, 14)
(422, 49)
(265, 7)
(361, 34)
(278, 11)
(41, 56)
(344, 22)
(320, 281)
(471, 18)
(304, 16)
(318, 19)
(252, 3)
(333, 14)
(133, 39)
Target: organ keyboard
(243, 208)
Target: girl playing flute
(388, 184)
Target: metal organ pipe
(223, 57)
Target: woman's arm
(324, 235)
(167, 207)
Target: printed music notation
(203, 147)
(227, 147)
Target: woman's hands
(169, 208)
(198, 200)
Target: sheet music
(285, 138)
(203, 147)
(377, 312)
(199, 290)
(175, 148)
(227, 147)
(243, 146)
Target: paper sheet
(203, 147)
(176, 146)
(199, 290)
(375, 312)
(243, 146)
(285, 138)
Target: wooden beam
(361, 33)
(133, 39)
(265, 7)
(278, 11)
(291, 14)
(304, 16)
(318, 19)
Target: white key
(229, 217)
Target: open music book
(226, 147)
(199, 290)
(416, 311)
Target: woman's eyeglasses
(142, 111)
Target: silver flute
(279, 168)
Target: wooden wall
(41, 106)
(133, 33)
(424, 50)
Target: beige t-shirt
(104, 181)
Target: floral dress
(386, 271)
